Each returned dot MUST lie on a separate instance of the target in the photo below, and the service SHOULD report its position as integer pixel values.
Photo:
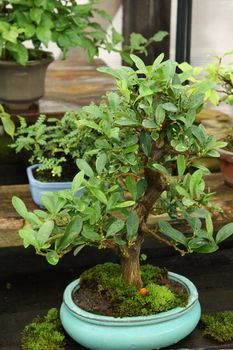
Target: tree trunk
(130, 264)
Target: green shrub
(218, 326)
(44, 334)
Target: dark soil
(68, 172)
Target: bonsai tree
(137, 155)
(66, 23)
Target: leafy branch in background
(66, 23)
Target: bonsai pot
(226, 165)
(21, 86)
(38, 187)
(98, 332)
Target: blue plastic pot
(99, 332)
(39, 187)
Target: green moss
(44, 334)
(218, 326)
(126, 299)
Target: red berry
(143, 291)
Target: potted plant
(51, 146)
(139, 146)
(65, 23)
(219, 79)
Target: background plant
(66, 23)
(132, 143)
(8, 124)
(53, 143)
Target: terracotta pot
(226, 165)
(21, 86)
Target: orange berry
(143, 291)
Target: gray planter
(21, 86)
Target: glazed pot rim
(224, 151)
(160, 317)
(44, 60)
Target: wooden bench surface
(10, 222)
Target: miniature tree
(137, 153)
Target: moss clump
(218, 326)
(44, 334)
(125, 299)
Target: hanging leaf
(174, 234)
(132, 225)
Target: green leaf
(181, 164)
(98, 194)
(194, 182)
(149, 124)
(132, 225)
(44, 232)
(131, 186)
(209, 224)
(170, 107)
(159, 36)
(29, 237)
(125, 204)
(83, 165)
(139, 63)
(44, 34)
(90, 234)
(113, 200)
(141, 188)
(77, 181)
(225, 232)
(157, 61)
(52, 258)
(115, 227)
(72, 231)
(36, 14)
(145, 142)
(161, 169)
(100, 163)
(52, 203)
(159, 114)
(19, 206)
(8, 124)
(116, 37)
(174, 234)
(213, 153)
(208, 248)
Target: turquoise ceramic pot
(137, 333)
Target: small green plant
(53, 143)
(66, 23)
(44, 333)
(8, 124)
(131, 143)
(218, 326)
